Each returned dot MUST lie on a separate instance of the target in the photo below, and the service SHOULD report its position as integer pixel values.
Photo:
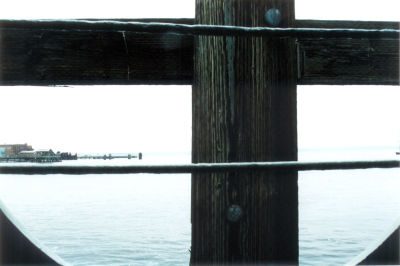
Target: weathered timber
(46, 57)
(244, 109)
(346, 24)
(49, 57)
(348, 62)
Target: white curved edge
(376, 244)
(32, 239)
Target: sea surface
(144, 219)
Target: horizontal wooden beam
(348, 62)
(54, 57)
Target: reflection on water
(145, 219)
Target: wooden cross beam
(51, 57)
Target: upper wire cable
(201, 30)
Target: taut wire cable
(200, 30)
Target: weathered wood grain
(49, 57)
(244, 109)
(46, 57)
(348, 62)
(346, 24)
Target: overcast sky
(158, 119)
(305, 9)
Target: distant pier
(36, 159)
(111, 156)
(25, 153)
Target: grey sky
(129, 119)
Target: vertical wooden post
(244, 109)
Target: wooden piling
(244, 109)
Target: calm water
(145, 219)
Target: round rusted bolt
(234, 213)
(273, 17)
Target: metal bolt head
(234, 213)
(273, 17)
